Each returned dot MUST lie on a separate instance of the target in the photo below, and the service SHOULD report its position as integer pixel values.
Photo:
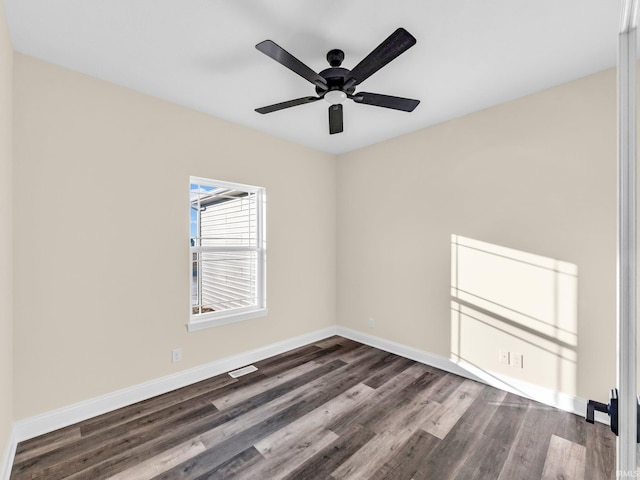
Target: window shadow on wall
(506, 300)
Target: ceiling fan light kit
(335, 97)
(336, 84)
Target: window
(227, 253)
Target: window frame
(212, 319)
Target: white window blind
(227, 245)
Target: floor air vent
(243, 371)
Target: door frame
(626, 458)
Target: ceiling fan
(336, 84)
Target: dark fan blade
(387, 101)
(398, 42)
(283, 57)
(291, 103)
(335, 118)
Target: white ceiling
(470, 54)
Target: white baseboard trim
(53, 420)
(562, 401)
(62, 417)
(9, 455)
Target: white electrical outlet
(372, 323)
(516, 360)
(176, 355)
(503, 357)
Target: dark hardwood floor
(332, 410)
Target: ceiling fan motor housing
(335, 77)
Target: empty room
(296, 240)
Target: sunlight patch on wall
(506, 300)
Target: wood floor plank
(356, 354)
(320, 466)
(395, 365)
(342, 380)
(489, 456)
(290, 457)
(201, 465)
(290, 359)
(46, 443)
(406, 462)
(329, 410)
(345, 352)
(529, 450)
(62, 463)
(565, 460)
(364, 463)
(207, 463)
(483, 408)
(61, 434)
(267, 383)
(485, 460)
(276, 443)
(507, 421)
(444, 388)
(161, 462)
(121, 459)
(385, 398)
(311, 391)
(286, 361)
(411, 410)
(317, 419)
(573, 428)
(447, 458)
(285, 387)
(144, 448)
(231, 468)
(222, 452)
(127, 414)
(76, 456)
(454, 406)
(335, 340)
(253, 416)
(601, 448)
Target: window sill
(213, 320)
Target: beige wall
(102, 228)
(6, 287)
(531, 179)
(101, 234)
